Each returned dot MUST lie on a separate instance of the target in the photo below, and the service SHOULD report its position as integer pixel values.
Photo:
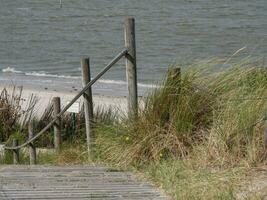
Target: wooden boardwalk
(71, 182)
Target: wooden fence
(129, 53)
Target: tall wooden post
(129, 32)
(15, 152)
(174, 79)
(174, 74)
(57, 124)
(32, 149)
(88, 100)
(173, 82)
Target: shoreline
(45, 96)
(103, 87)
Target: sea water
(41, 42)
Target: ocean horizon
(41, 43)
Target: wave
(107, 81)
(11, 70)
(40, 74)
(44, 74)
(23, 8)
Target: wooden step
(72, 182)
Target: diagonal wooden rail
(78, 182)
(129, 53)
(105, 69)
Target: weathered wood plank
(73, 182)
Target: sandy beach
(45, 96)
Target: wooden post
(129, 33)
(174, 74)
(173, 83)
(174, 78)
(15, 152)
(32, 149)
(57, 124)
(88, 101)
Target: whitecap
(11, 70)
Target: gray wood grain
(72, 182)
(88, 100)
(129, 32)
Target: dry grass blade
(15, 113)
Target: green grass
(196, 136)
(183, 181)
(215, 116)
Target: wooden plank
(72, 182)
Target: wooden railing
(130, 54)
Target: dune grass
(13, 116)
(217, 116)
(196, 135)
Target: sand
(45, 96)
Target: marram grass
(195, 136)
(214, 117)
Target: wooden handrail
(108, 66)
